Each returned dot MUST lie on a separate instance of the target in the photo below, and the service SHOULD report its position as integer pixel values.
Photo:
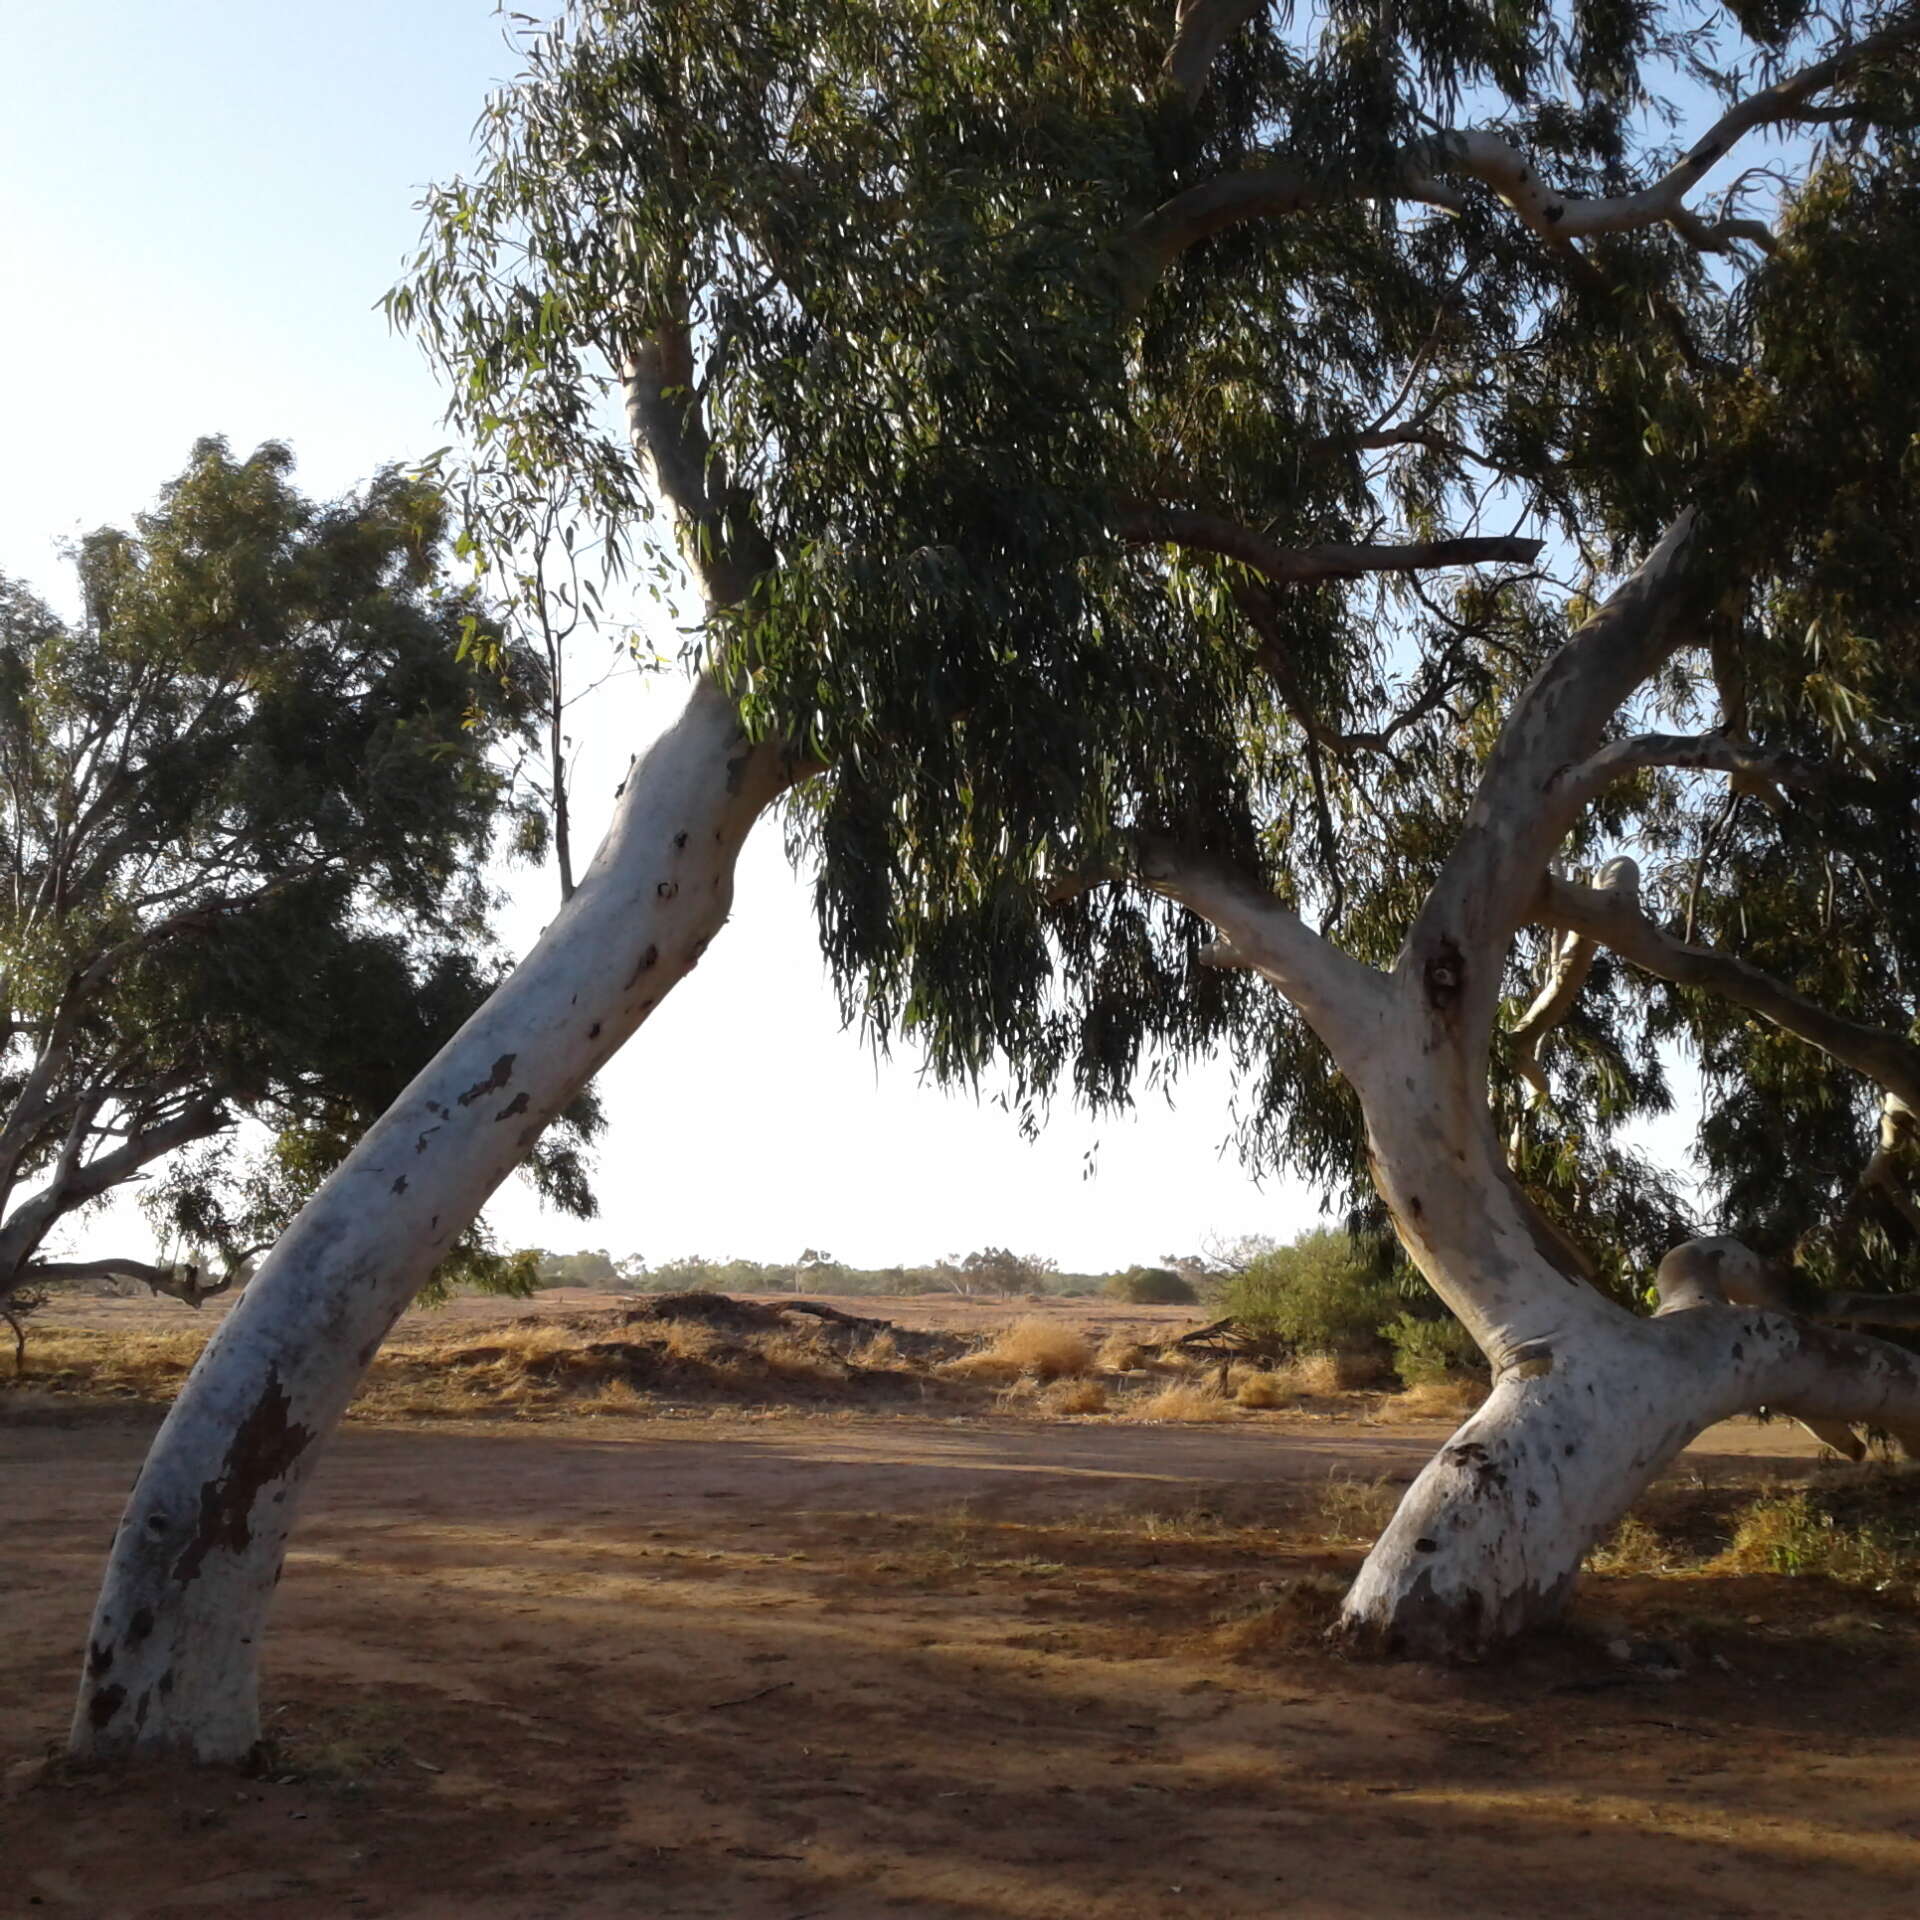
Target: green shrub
(1427, 1352)
(1322, 1294)
(1150, 1287)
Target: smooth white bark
(172, 1653)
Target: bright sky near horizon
(202, 202)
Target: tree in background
(244, 804)
(1073, 424)
(1151, 1287)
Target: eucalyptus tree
(245, 798)
(1077, 425)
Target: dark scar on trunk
(1445, 972)
(649, 959)
(105, 1704)
(266, 1445)
(518, 1104)
(498, 1078)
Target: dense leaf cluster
(246, 799)
(943, 356)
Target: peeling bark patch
(1531, 1363)
(139, 1626)
(400, 1185)
(420, 1145)
(263, 1449)
(518, 1104)
(593, 1032)
(99, 1658)
(680, 839)
(105, 1704)
(645, 964)
(498, 1078)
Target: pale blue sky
(201, 201)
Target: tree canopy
(246, 803)
(1077, 444)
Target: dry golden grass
(1184, 1400)
(1121, 1353)
(1434, 1400)
(143, 1366)
(1355, 1509)
(688, 1339)
(881, 1351)
(1633, 1547)
(1316, 1373)
(1264, 1389)
(1074, 1396)
(1032, 1348)
(617, 1398)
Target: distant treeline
(990, 1271)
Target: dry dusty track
(757, 1669)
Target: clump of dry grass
(1355, 1509)
(135, 1366)
(1316, 1373)
(1121, 1353)
(1434, 1400)
(1074, 1396)
(1033, 1348)
(1632, 1547)
(1265, 1389)
(1185, 1400)
(879, 1351)
(1862, 1534)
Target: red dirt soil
(981, 1669)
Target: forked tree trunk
(171, 1658)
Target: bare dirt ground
(979, 1668)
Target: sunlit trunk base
(1490, 1538)
(171, 1658)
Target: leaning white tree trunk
(171, 1658)
(1490, 1538)
(1589, 1401)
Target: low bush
(1429, 1353)
(1151, 1287)
(1322, 1294)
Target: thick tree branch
(1519, 814)
(178, 1282)
(1296, 566)
(1752, 766)
(1203, 28)
(718, 540)
(1341, 998)
(1424, 174)
(73, 1184)
(1567, 969)
(1613, 917)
